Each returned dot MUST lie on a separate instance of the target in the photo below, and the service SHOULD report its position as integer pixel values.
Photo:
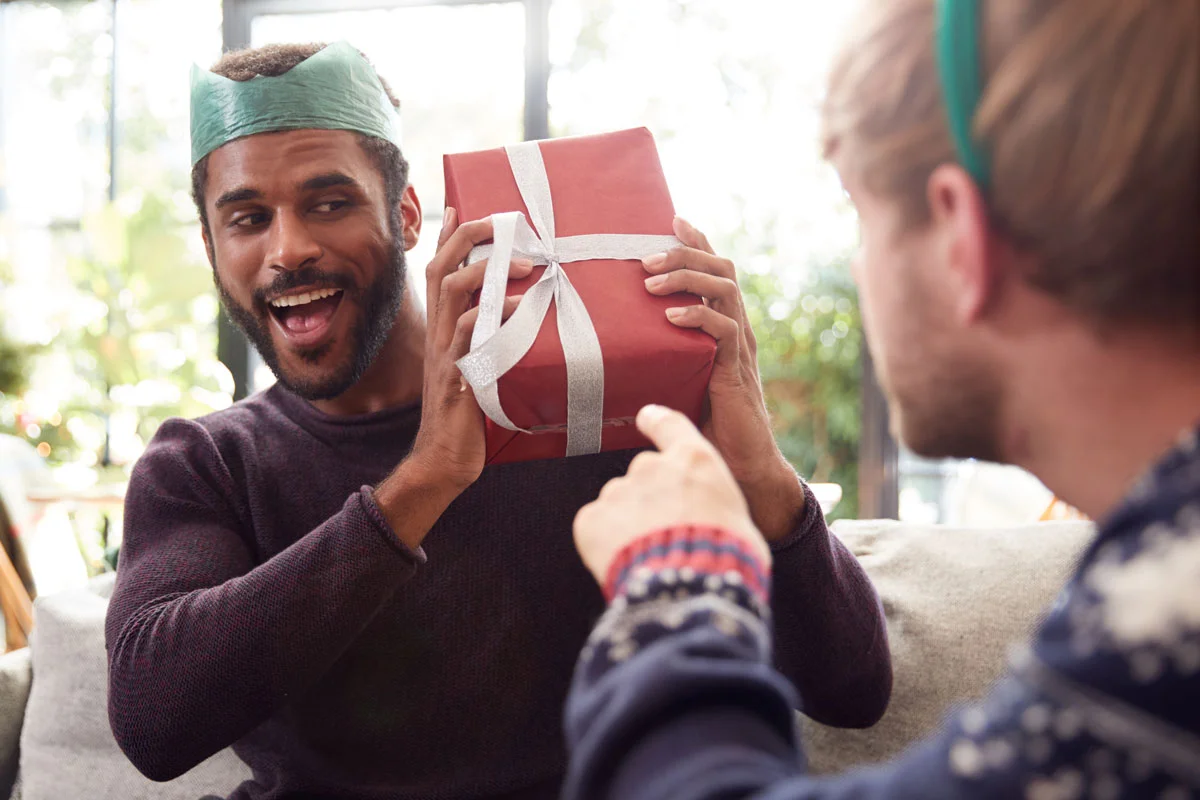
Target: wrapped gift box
(606, 184)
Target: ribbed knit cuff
(691, 559)
(811, 518)
(367, 495)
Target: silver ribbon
(496, 348)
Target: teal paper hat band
(961, 69)
(334, 89)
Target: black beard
(380, 303)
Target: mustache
(303, 277)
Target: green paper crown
(334, 89)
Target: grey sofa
(53, 695)
(955, 600)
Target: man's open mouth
(304, 317)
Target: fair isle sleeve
(675, 698)
(687, 604)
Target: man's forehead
(288, 160)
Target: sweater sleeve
(205, 643)
(830, 633)
(674, 698)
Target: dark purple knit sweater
(262, 601)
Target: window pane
(968, 493)
(117, 296)
(158, 42)
(54, 67)
(458, 71)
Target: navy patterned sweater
(674, 696)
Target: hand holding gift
(449, 447)
(594, 341)
(736, 421)
(588, 346)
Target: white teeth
(302, 299)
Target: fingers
(668, 429)
(690, 235)
(582, 524)
(722, 291)
(724, 329)
(449, 223)
(642, 462)
(690, 258)
(454, 295)
(455, 244)
(469, 279)
(460, 344)
(593, 549)
(613, 487)
(700, 272)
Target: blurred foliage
(136, 347)
(12, 366)
(147, 354)
(809, 347)
(14, 357)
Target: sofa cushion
(955, 600)
(67, 747)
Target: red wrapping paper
(610, 183)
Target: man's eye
(330, 206)
(250, 220)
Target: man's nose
(292, 245)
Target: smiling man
(324, 576)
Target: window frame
(878, 451)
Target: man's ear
(964, 240)
(410, 217)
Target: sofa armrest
(955, 599)
(16, 675)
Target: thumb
(691, 236)
(667, 428)
(449, 225)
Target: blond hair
(1090, 118)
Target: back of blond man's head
(1091, 118)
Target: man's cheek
(866, 293)
(238, 284)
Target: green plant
(13, 366)
(810, 344)
(136, 344)
(148, 353)
(14, 357)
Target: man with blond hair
(1028, 185)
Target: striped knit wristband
(707, 554)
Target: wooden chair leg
(17, 607)
(14, 598)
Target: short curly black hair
(275, 59)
